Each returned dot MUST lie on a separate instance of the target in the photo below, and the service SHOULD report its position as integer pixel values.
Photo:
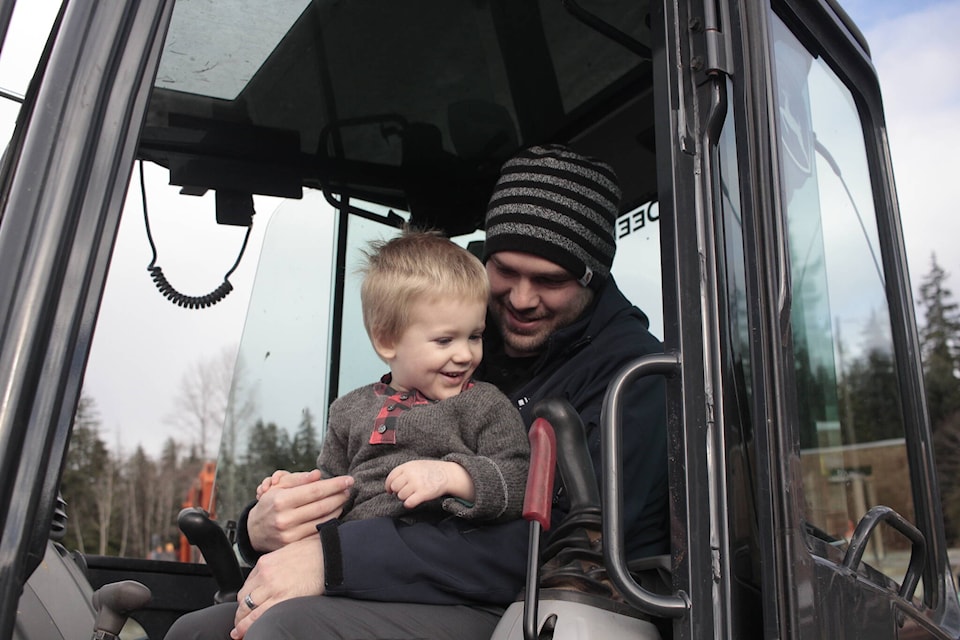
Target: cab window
(850, 426)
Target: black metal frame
(833, 33)
(63, 199)
(788, 560)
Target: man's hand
(420, 481)
(290, 572)
(294, 506)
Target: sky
(914, 44)
(914, 47)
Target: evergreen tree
(940, 345)
(139, 510)
(940, 348)
(268, 449)
(306, 445)
(946, 446)
(173, 482)
(871, 400)
(86, 471)
(869, 390)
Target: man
(565, 329)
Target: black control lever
(113, 603)
(206, 535)
(573, 555)
(573, 456)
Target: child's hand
(420, 481)
(270, 481)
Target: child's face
(440, 349)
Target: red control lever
(543, 466)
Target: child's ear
(386, 349)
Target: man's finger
(301, 509)
(281, 513)
(313, 513)
(299, 478)
(246, 590)
(243, 625)
(315, 491)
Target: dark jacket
(578, 363)
(458, 562)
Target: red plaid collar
(393, 405)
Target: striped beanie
(558, 205)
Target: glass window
(851, 429)
(737, 385)
(636, 265)
(159, 383)
(281, 385)
(276, 412)
(234, 38)
(359, 363)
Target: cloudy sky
(914, 46)
(913, 43)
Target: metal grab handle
(673, 606)
(861, 536)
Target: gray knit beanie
(558, 205)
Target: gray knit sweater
(479, 429)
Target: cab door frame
(798, 585)
(689, 111)
(63, 184)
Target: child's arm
(498, 466)
(420, 481)
(334, 459)
(485, 483)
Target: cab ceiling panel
(412, 104)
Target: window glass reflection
(851, 429)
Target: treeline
(127, 505)
(121, 505)
(940, 344)
(268, 448)
(867, 405)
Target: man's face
(530, 298)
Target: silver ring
(247, 600)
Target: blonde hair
(401, 271)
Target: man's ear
(386, 349)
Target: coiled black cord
(183, 300)
(164, 286)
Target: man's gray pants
(333, 618)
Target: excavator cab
(759, 231)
